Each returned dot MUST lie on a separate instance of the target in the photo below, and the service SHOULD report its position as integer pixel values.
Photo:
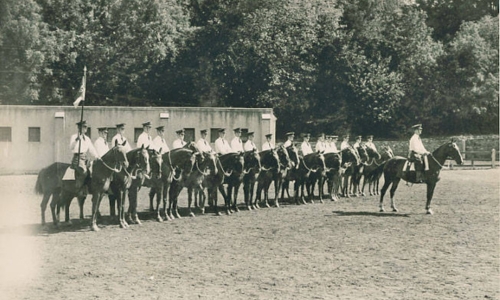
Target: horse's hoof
(159, 219)
(382, 209)
(257, 206)
(203, 211)
(394, 209)
(277, 205)
(249, 207)
(429, 212)
(218, 213)
(321, 201)
(69, 223)
(192, 214)
(95, 227)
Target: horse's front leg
(430, 193)
(56, 197)
(152, 193)
(395, 184)
(190, 200)
(43, 205)
(96, 197)
(277, 187)
(235, 197)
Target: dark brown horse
(255, 163)
(196, 181)
(350, 158)
(367, 155)
(293, 154)
(275, 165)
(393, 173)
(373, 171)
(103, 169)
(312, 163)
(49, 183)
(333, 163)
(127, 183)
(177, 163)
(230, 167)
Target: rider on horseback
(417, 152)
(268, 145)
(80, 144)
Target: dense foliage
(364, 66)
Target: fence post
(493, 158)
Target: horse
(275, 165)
(128, 182)
(311, 163)
(350, 169)
(102, 172)
(293, 154)
(176, 164)
(374, 169)
(195, 183)
(393, 172)
(49, 183)
(253, 164)
(230, 167)
(333, 162)
(357, 169)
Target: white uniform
(145, 140)
(267, 146)
(160, 143)
(178, 143)
(84, 147)
(344, 145)
(101, 146)
(371, 145)
(320, 146)
(222, 146)
(416, 145)
(306, 148)
(237, 144)
(287, 144)
(249, 146)
(121, 139)
(333, 147)
(203, 145)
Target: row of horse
(121, 175)
(205, 174)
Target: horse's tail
(38, 184)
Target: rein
(440, 165)
(202, 173)
(112, 169)
(224, 172)
(307, 168)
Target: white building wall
(57, 124)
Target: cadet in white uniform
(81, 145)
(268, 145)
(100, 144)
(159, 142)
(120, 137)
(357, 143)
(289, 142)
(144, 138)
(369, 142)
(236, 143)
(249, 144)
(333, 144)
(202, 144)
(221, 145)
(305, 146)
(320, 144)
(345, 142)
(179, 142)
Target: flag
(81, 93)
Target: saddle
(414, 167)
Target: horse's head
(191, 146)
(386, 153)
(209, 162)
(252, 160)
(293, 153)
(372, 152)
(155, 162)
(315, 160)
(333, 160)
(269, 159)
(118, 154)
(452, 151)
(142, 159)
(362, 153)
(350, 155)
(284, 158)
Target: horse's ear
(453, 140)
(116, 143)
(147, 148)
(123, 142)
(159, 151)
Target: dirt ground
(336, 250)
